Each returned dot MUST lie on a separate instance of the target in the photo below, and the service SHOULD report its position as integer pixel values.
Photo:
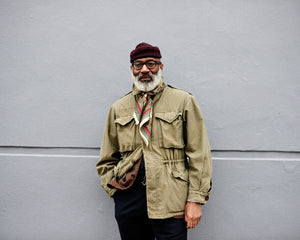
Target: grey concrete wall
(63, 63)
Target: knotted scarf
(143, 112)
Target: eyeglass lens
(139, 65)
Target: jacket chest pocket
(171, 129)
(126, 133)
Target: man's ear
(161, 66)
(131, 67)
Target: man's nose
(145, 69)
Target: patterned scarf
(143, 112)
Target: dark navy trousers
(132, 218)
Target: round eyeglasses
(150, 64)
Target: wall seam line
(97, 156)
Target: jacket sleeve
(198, 152)
(109, 153)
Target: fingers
(191, 222)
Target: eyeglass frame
(143, 63)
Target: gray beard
(147, 86)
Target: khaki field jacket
(177, 161)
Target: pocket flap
(168, 116)
(124, 120)
(181, 175)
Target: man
(155, 157)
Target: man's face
(146, 79)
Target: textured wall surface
(63, 63)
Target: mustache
(145, 75)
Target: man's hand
(193, 214)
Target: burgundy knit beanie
(144, 50)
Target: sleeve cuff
(198, 197)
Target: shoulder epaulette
(179, 89)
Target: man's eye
(137, 65)
(151, 64)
